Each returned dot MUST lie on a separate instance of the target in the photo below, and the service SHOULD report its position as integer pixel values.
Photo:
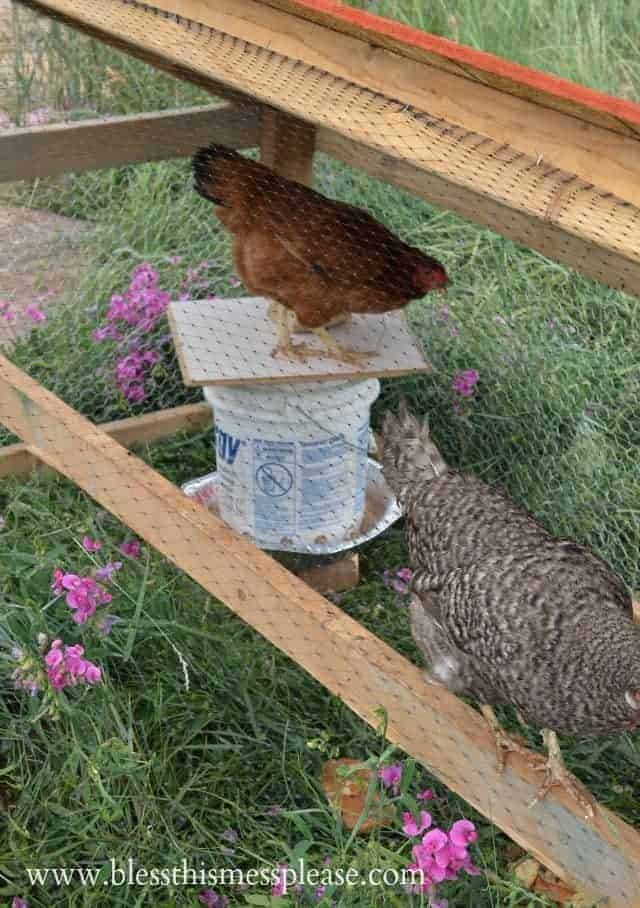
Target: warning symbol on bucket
(274, 479)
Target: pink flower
(411, 828)
(68, 667)
(106, 572)
(9, 315)
(319, 893)
(84, 595)
(35, 314)
(463, 833)
(234, 281)
(280, 886)
(18, 902)
(465, 382)
(91, 545)
(26, 675)
(391, 776)
(131, 548)
(175, 259)
(434, 840)
(426, 795)
(56, 584)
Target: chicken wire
(540, 400)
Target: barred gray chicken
(507, 613)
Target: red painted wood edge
(480, 60)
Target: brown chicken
(317, 258)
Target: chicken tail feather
(214, 169)
(408, 454)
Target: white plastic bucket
(292, 459)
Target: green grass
(149, 768)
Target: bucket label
(274, 470)
(227, 446)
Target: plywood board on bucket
(231, 341)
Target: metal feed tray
(381, 510)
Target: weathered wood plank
(20, 459)
(287, 145)
(446, 735)
(407, 72)
(44, 151)
(541, 88)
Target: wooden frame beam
(22, 460)
(400, 136)
(44, 151)
(447, 736)
(594, 142)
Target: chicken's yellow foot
(284, 346)
(506, 743)
(336, 351)
(557, 774)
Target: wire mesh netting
(279, 269)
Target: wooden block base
(334, 577)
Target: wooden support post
(287, 145)
(449, 737)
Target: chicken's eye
(633, 698)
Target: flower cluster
(439, 855)
(83, 595)
(130, 318)
(143, 304)
(131, 373)
(210, 899)
(66, 666)
(465, 382)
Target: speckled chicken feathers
(500, 608)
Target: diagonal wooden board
(231, 341)
(441, 731)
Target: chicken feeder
(293, 465)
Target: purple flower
(391, 776)
(234, 281)
(106, 622)
(398, 580)
(280, 885)
(211, 899)
(108, 332)
(464, 383)
(131, 548)
(108, 570)
(426, 795)
(319, 893)
(18, 902)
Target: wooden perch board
(231, 341)
(44, 151)
(397, 129)
(447, 736)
